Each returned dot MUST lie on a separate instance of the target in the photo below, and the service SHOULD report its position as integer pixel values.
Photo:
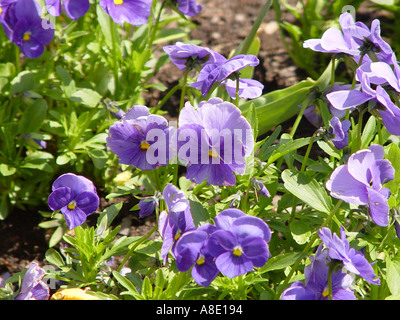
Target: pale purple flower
(213, 141)
(389, 112)
(340, 132)
(188, 56)
(75, 196)
(191, 250)
(354, 39)
(316, 285)
(189, 7)
(24, 26)
(174, 221)
(260, 187)
(148, 205)
(135, 12)
(353, 261)
(361, 181)
(33, 287)
(240, 244)
(73, 8)
(227, 73)
(140, 139)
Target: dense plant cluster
(254, 215)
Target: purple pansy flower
(73, 8)
(346, 99)
(186, 55)
(135, 12)
(191, 250)
(340, 132)
(189, 7)
(316, 285)
(240, 244)
(223, 72)
(24, 26)
(148, 205)
(260, 187)
(139, 139)
(33, 287)
(75, 196)
(175, 221)
(360, 182)
(353, 261)
(355, 39)
(213, 141)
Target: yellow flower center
(144, 145)
(1, 10)
(212, 154)
(118, 2)
(71, 205)
(325, 293)
(200, 260)
(237, 251)
(27, 36)
(177, 236)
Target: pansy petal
(246, 226)
(60, 198)
(73, 218)
(343, 185)
(88, 202)
(232, 266)
(378, 208)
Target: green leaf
(54, 257)
(33, 117)
(147, 289)
(22, 82)
(393, 155)
(87, 97)
(393, 276)
(307, 190)
(132, 291)
(278, 106)
(6, 170)
(368, 133)
(199, 213)
(251, 116)
(300, 231)
(287, 147)
(282, 261)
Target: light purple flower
(361, 181)
(24, 26)
(189, 7)
(140, 139)
(240, 244)
(175, 221)
(33, 287)
(148, 205)
(260, 187)
(353, 261)
(186, 55)
(75, 196)
(355, 39)
(135, 12)
(346, 99)
(73, 8)
(227, 73)
(213, 141)
(340, 132)
(316, 285)
(191, 250)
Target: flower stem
(183, 91)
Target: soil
(221, 26)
